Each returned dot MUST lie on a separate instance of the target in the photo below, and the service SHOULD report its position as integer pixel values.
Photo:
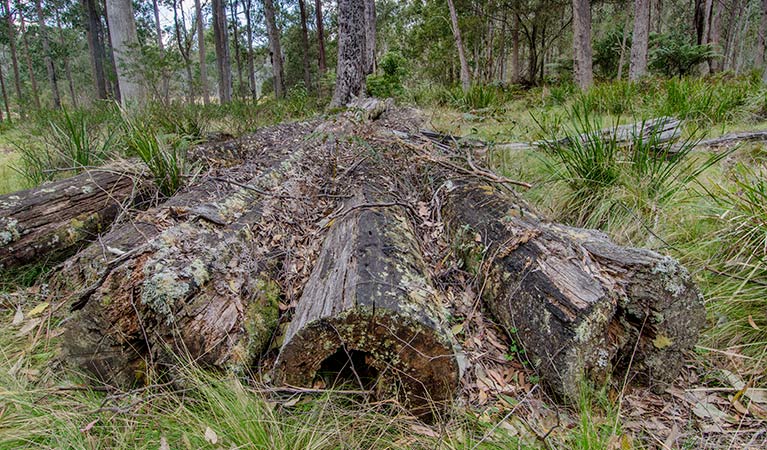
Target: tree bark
(186, 279)
(351, 44)
(67, 67)
(52, 221)
(95, 46)
(122, 33)
(201, 49)
(465, 76)
(584, 75)
(6, 102)
(247, 5)
(515, 48)
(640, 40)
(52, 80)
(237, 53)
(275, 50)
(30, 68)
(14, 57)
(305, 45)
(223, 64)
(761, 37)
(370, 37)
(322, 62)
(580, 305)
(369, 313)
(161, 47)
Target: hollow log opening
(348, 368)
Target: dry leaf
(29, 326)
(38, 309)
(164, 444)
(752, 323)
(211, 436)
(18, 317)
(90, 425)
(424, 430)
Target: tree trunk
(515, 48)
(275, 50)
(221, 35)
(161, 46)
(55, 96)
(369, 64)
(187, 272)
(715, 64)
(237, 53)
(305, 45)
(369, 313)
(67, 68)
(114, 84)
(6, 102)
(184, 51)
(761, 37)
(320, 37)
(14, 57)
(351, 44)
(53, 220)
(95, 46)
(640, 40)
(201, 49)
(580, 305)
(122, 33)
(247, 5)
(584, 75)
(30, 68)
(465, 76)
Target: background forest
(84, 83)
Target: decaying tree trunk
(202, 277)
(369, 313)
(184, 280)
(51, 221)
(580, 305)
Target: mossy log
(185, 280)
(369, 314)
(580, 305)
(52, 221)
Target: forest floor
(712, 222)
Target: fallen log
(184, 281)
(52, 221)
(733, 139)
(369, 314)
(580, 305)
(661, 130)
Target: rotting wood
(182, 281)
(580, 305)
(50, 222)
(369, 314)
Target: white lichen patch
(10, 230)
(673, 275)
(161, 290)
(197, 272)
(87, 189)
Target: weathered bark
(369, 313)
(201, 50)
(237, 53)
(584, 75)
(761, 42)
(185, 279)
(221, 36)
(53, 220)
(351, 44)
(580, 305)
(275, 50)
(465, 76)
(14, 56)
(122, 34)
(320, 37)
(640, 40)
(95, 46)
(305, 45)
(52, 80)
(369, 64)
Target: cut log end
(379, 351)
